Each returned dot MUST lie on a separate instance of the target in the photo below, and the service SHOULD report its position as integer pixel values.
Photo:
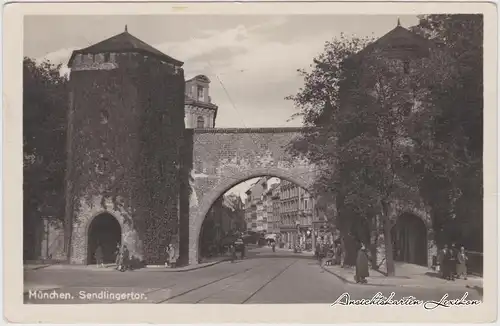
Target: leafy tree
(452, 178)
(378, 101)
(319, 103)
(44, 132)
(375, 139)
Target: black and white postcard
(250, 162)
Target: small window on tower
(406, 67)
(104, 117)
(200, 93)
(200, 122)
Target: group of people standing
(122, 257)
(452, 263)
(331, 253)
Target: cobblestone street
(264, 277)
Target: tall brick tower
(126, 124)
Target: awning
(271, 236)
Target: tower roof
(123, 43)
(400, 38)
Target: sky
(251, 60)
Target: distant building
(200, 112)
(271, 206)
(254, 194)
(275, 227)
(296, 214)
(234, 212)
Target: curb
(195, 267)
(346, 281)
(150, 268)
(36, 268)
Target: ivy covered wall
(126, 131)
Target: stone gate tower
(125, 128)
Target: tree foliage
(452, 178)
(44, 140)
(392, 128)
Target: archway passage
(105, 231)
(256, 212)
(409, 236)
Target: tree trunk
(389, 259)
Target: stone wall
(222, 158)
(91, 209)
(52, 241)
(126, 123)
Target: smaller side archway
(105, 231)
(409, 237)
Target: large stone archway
(223, 158)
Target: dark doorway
(409, 237)
(106, 232)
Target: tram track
(229, 285)
(225, 287)
(205, 285)
(265, 284)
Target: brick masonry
(105, 116)
(222, 158)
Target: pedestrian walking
(462, 263)
(338, 254)
(171, 256)
(449, 265)
(330, 256)
(167, 254)
(124, 259)
(454, 261)
(232, 249)
(118, 251)
(441, 268)
(361, 266)
(99, 256)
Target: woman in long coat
(361, 266)
(171, 256)
(462, 263)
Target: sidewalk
(111, 267)
(407, 275)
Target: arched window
(200, 122)
(200, 93)
(104, 117)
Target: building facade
(254, 208)
(296, 215)
(200, 112)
